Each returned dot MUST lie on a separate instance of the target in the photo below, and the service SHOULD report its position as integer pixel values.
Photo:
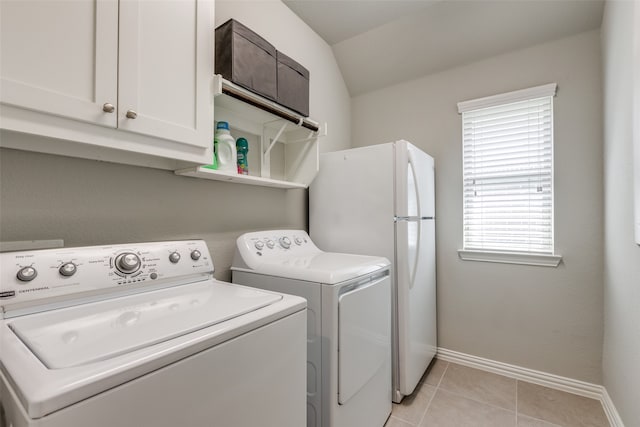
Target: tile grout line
(433, 395)
(529, 416)
(471, 398)
(401, 420)
(420, 384)
(542, 421)
(442, 376)
(477, 401)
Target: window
(508, 176)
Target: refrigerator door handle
(414, 267)
(412, 271)
(408, 253)
(416, 184)
(411, 218)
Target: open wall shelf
(204, 173)
(265, 124)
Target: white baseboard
(610, 410)
(557, 382)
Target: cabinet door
(60, 57)
(166, 68)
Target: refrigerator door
(415, 186)
(415, 266)
(416, 299)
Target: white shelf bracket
(310, 137)
(275, 139)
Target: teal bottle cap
(222, 125)
(242, 143)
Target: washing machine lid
(322, 267)
(101, 330)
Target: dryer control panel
(44, 274)
(277, 243)
(292, 254)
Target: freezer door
(415, 187)
(416, 299)
(351, 204)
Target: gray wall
(549, 319)
(621, 358)
(88, 202)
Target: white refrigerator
(379, 200)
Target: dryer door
(364, 334)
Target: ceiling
(378, 43)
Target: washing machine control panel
(36, 275)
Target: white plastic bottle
(227, 156)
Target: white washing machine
(348, 322)
(141, 335)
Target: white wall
(621, 357)
(542, 318)
(88, 202)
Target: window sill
(541, 260)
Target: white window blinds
(508, 171)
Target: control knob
(68, 269)
(285, 242)
(259, 245)
(298, 241)
(174, 257)
(270, 244)
(195, 254)
(26, 274)
(127, 262)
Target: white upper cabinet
(140, 70)
(61, 57)
(163, 78)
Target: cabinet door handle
(131, 114)
(108, 108)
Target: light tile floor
(451, 395)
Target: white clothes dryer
(348, 322)
(141, 335)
